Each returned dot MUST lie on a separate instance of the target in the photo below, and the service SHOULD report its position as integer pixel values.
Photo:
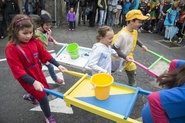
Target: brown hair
(172, 79)
(102, 31)
(19, 22)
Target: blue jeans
(102, 17)
(51, 71)
(111, 18)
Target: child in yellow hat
(124, 43)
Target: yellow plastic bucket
(102, 83)
(72, 49)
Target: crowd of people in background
(163, 14)
(9, 8)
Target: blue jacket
(126, 7)
(171, 17)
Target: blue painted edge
(55, 93)
(59, 52)
(132, 103)
(144, 92)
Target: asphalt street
(13, 109)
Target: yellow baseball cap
(176, 3)
(135, 14)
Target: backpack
(83, 3)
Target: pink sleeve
(157, 111)
(172, 66)
(51, 39)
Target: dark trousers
(8, 18)
(1, 28)
(124, 23)
(180, 32)
(71, 24)
(81, 14)
(153, 24)
(92, 17)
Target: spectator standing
(1, 25)
(102, 4)
(112, 10)
(82, 7)
(10, 8)
(118, 14)
(92, 14)
(29, 7)
(170, 20)
(160, 23)
(143, 7)
(125, 9)
(179, 24)
(73, 4)
(153, 11)
(71, 18)
(67, 6)
(40, 5)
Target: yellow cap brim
(137, 17)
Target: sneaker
(166, 40)
(180, 40)
(150, 31)
(73, 29)
(59, 81)
(69, 29)
(50, 119)
(29, 97)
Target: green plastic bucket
(72, 49)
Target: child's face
(107, 40)
(47, 26)
(136, 24)
(71, 9)
(25, 34)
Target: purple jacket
(71, 16)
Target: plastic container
(72, 49)
(102, 83)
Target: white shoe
(180, 40)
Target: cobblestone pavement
(14, 109)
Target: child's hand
(38, 86)
(61, 68)
(128, 58)
(144, 48)
(55, 42)
(115, 55)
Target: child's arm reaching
(120, 54)
(60, 67)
